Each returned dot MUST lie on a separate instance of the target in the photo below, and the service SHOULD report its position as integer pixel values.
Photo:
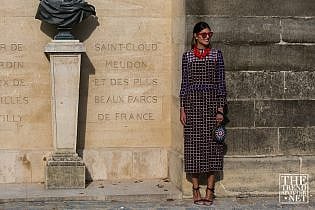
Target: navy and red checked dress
(203, 90)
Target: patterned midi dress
(203, 91)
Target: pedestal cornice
(65, 46)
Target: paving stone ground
(125, 195)
(185, 204)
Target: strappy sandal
(197, 193)
(209, 201)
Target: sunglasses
(204, 34)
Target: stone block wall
(269, 52)
(25, 119)
(128, 89)
(129, 107)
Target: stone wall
(125, 120)
(126, 89)
(129, 107)
(25, 119)
(269, 51)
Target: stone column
(65, 169)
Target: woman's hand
(182, 116)
(219, 118)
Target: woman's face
(203, 38)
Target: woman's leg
(210, 189)
(211, 180)
(196, 193)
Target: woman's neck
(200, 46)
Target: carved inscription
(4, 47)
(135, 47)
(123, 116)
(14, 100)
(11, 84)
(10, 121)
(11, 64)
(125, 82)
(10, 49)
(10, 118)
(130, 79)
(145, 99)
(128, 64)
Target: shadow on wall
(81, 31)
(87, 69)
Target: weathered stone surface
(250, 8)
(36, 160)
(308, 167)
(113, 137)
(142, 51)
(298, 30)
(65, 177)
(256, 175)
(29, 166)
(255, 85)
(108, 163)
(300, 85)
(268, 57)
(7, 167)
(126, 163)
(270, 85)
(104, 8)
(24, 83)
(282, 113)
(240, 85)
(65, 159)
(186, 185)
(68, 46)
(65, 70)
(159, 8)
(241, 113)
(130, 87)
(23, 169)
(18, 8)
(144, 40)
(139, 38)
(174, 154)
(177, 127)
(297, 141)
(22, 166)
(253, 30)
(65, 170)
(175, 168)
(252, 141)
(150, 163)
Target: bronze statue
(64, 14)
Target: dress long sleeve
(220, 80)
(202, 91)
(184, 83)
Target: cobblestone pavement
(220, 203)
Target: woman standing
(202, 98)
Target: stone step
(120, 190)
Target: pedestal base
(65, 170)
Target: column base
(65, 170)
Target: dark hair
(197, 28)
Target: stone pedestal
(65, 171)
(64, 168)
